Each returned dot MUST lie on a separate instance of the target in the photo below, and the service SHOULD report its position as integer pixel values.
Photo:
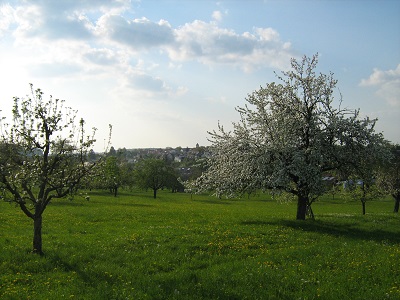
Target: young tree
(112, 174)
(152, 173)
(44, 155)
(365, 173)
(289, 135)
(389, 176)
(364, 190)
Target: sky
(166, 72)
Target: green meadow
(200, 247)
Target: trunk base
(36, 252)
(37, 235)
(301, 208)
(396, 204)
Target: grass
(175, 247)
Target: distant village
(177, 155)
(189, 162)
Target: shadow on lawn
(346, 230)
(72, 203)
(132, 204)
(216, 201)
(89, 277)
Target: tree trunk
(301, 207)
(310, 212)
(155, 193)
(363, 206)
(37, 235)
(396, 204)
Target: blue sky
(163, 73)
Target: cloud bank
(67, 37)
(387, 84)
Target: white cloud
(267, 34)
(207, 43)
(217, 16)
(140, 85)
(144, 81)
(379, 77)
(388, 84)
(6, 18)
(210, 44)
(139, 34)
(62, 19)
(102, 56)
(35, 21)
(81, 40)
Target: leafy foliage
(388, 178)
(112, 174)
(365, 174)
(154, 174)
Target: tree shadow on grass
(215, 201)
(346, 230)
(72, 203)
(89, 277)
(66, 202)
(132, 204)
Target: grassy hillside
(175, 247)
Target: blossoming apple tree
(289, 135)
(43, 156)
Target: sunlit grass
(176, 247)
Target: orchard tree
(365, 174)
(363, 189)
(389, 176)
(173, 180)
(289, 135)
(44, 156)
(152, 173)
(112, 176)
